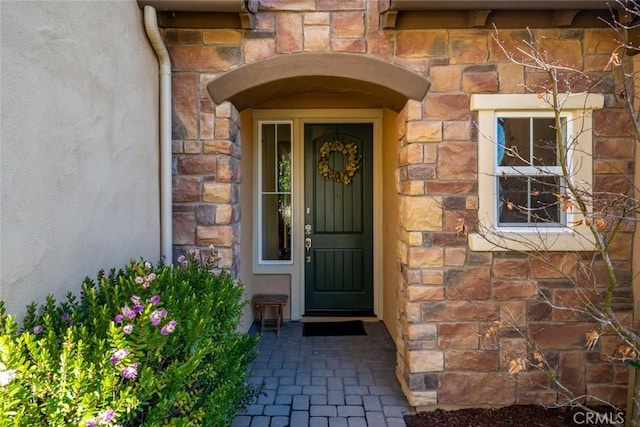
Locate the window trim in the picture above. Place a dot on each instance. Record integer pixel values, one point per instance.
(578, 110)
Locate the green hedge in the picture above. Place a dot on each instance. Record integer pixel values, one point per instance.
(143, 346)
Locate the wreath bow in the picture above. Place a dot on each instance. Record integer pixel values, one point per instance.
(353, 162)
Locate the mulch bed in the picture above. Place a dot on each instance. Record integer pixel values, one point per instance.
(511, 416)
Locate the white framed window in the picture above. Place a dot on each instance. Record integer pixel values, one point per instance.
(528, 176)
(522, 188)
(275, 191)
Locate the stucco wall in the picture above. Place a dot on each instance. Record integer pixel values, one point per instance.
(79, 152)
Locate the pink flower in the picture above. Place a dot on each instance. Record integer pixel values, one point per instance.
(151, 277)
(147, 265)
(91, 422)
(106, 416)
(37, 329)
(7, 376)
(118, 355)
(139, 280)
(135, 299)
(130, 371)
(169, 328)
(156, 316)
(119, 318)
(128, 312)
(154, 299)
(127, 329)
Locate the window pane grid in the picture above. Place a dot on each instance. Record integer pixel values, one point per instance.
(524, 200)
(528, 175)
(275, 195)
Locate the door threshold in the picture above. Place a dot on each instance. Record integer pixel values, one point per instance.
(310, 319)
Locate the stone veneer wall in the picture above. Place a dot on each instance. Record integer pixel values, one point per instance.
(447, 294)
(206, 208)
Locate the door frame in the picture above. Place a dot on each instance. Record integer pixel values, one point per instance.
(300, 117)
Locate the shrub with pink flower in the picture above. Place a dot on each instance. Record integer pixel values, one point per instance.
(127, 350)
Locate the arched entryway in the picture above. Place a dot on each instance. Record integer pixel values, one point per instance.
(320, 88)
(378, 83)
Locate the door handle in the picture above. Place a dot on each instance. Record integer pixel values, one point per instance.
(307, 246)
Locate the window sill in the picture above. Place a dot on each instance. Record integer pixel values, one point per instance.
(273, 268)
(531, 241)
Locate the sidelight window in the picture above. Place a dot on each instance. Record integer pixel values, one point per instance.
(275, 192)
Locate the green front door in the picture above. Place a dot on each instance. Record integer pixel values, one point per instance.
(338, 219)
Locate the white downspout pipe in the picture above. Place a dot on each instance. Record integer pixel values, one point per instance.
(166, 232)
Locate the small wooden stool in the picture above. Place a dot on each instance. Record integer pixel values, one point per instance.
(263, 301)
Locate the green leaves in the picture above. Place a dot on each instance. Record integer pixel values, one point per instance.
(69, 357)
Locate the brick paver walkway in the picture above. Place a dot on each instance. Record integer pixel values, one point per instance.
(346, 381)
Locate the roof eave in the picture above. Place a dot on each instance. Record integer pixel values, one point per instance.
(222, 6)
(408, 5)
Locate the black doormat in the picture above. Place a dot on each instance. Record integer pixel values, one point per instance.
(333, 329)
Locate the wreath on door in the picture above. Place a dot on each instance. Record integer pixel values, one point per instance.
(353, 161)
